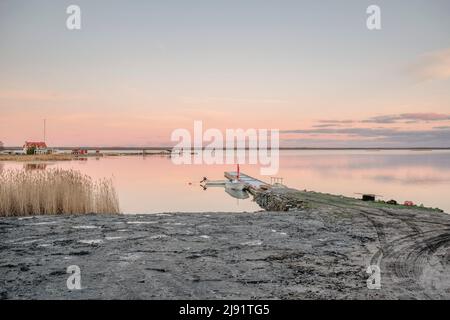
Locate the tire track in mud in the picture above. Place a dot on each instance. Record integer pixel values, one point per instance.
(376, 259)
(408, 256)
(405, 220)
(381, 235)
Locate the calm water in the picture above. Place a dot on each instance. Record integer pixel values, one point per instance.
(153, 184)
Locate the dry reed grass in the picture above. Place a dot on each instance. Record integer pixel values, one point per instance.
(36, 157)
(55, 191)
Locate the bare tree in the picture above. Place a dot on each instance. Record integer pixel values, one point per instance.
(1, 145)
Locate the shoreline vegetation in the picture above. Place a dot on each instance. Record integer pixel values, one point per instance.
(55, 192)
(289, 199)
(36, 157)
(69, 157)
(9, 154)
(280, 148)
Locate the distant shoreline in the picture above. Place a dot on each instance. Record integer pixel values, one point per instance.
(69, 156)
(281, 148)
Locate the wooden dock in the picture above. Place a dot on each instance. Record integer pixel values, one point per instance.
(252, 184)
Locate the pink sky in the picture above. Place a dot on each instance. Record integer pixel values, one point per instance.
(156, 68)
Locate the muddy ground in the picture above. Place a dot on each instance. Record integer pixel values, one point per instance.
(319, 252)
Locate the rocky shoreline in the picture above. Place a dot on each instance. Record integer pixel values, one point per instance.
(319, 250)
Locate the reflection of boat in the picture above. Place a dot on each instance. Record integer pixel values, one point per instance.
(235, 185)
(237, 194)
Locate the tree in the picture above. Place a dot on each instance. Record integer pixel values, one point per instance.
(1, 145)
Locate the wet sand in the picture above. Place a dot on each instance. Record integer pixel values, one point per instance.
(319, 252)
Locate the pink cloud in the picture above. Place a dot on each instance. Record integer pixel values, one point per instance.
(432, 66)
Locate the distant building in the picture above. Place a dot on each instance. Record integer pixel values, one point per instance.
(35, 148)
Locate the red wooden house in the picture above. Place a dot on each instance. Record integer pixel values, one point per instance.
(39, 147)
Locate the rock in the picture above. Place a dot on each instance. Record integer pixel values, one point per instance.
(276, 200)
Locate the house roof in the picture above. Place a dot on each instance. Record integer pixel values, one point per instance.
(39, 144)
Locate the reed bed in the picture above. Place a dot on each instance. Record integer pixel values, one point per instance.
(55, 191)
(36, 157)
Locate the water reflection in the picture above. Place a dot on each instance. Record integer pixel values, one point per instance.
(405, 168)
(154, 184)
(35, 166)
(238, 194)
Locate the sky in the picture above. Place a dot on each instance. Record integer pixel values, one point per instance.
(137, 70)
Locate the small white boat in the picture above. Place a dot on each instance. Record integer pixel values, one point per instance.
(215, 183)
(235, 184)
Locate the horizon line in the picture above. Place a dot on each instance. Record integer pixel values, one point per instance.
(5, 148)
